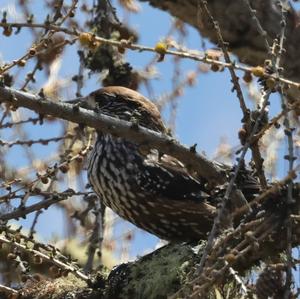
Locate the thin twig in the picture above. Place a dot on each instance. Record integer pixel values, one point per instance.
(50, 172)
(8, 290)
(221, 210)
(261, 31)
(33, 120)
(97, 235)
(290, 157)
(187, 54)
(71, 268)
(34, 223)
(235, 80)
(41, 141)
(234, 77)
(44, 204)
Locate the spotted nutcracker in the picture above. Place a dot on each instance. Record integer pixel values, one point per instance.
(153, 191)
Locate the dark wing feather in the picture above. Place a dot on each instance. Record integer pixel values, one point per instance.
(167, 177)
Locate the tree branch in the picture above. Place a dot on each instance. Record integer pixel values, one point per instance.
(165, 144)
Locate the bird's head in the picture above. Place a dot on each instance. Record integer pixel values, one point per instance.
(126, 104)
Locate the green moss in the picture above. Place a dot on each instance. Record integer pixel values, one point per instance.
(160, 274)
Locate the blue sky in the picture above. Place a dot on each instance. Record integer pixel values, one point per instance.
(206, 112)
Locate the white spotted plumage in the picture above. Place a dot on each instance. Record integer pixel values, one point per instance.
(153, 191)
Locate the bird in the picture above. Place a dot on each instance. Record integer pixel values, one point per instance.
(152, 190)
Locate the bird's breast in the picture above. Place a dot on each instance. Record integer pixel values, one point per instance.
(112, 170)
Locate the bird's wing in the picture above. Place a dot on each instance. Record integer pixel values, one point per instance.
(167, 177)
